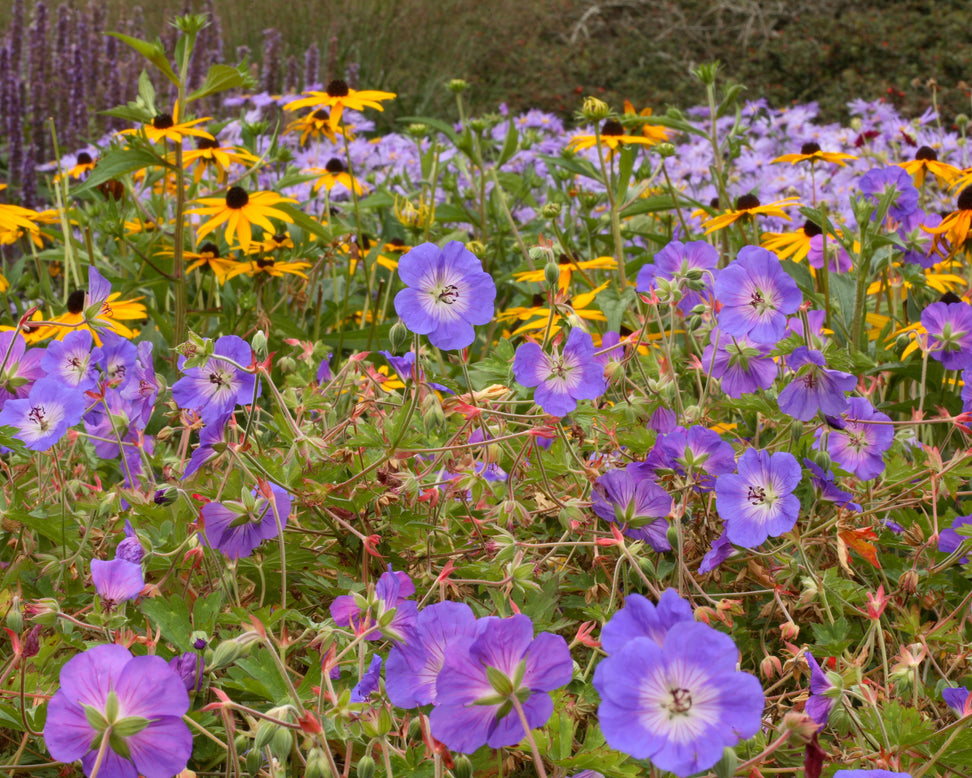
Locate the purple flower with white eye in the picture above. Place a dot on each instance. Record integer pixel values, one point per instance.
(482, 675)
(949, 326)
(237, 529)
(859, 447)
(117, 580)
(815, 388)
(877, 182)
(950, 541)
(414, 663)
(136, 702)
(679, 704)
(818, 704)
(756, 295)
(641, 618)
(391, 595)
(218, 387)
(45, 415)
(212, 434)
(697, 454)
(72, 360)
(369, 681)
(20, 367)
(447, 292)
(757, 501)
(117, 358)
(741, 365)
(635, 502)
(688, 266)
(561, 379)
(958, 699)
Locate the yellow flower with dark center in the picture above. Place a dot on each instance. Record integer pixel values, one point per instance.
(207, 258)
(411, 215)
(810, 152)
(334, 173)
(747, 206)
(937, 277)
(791, 245)
(926, 161)
(563, 305)
(276, 268)
(567, 267)
(953, 231)
(315, 125)
(239, 210)
(83, 165)
(210, 155)
(113, 312)
(14, 220)
(276, 242)
(612, 135)
(339, 96)
(653, 131)
(167, 127)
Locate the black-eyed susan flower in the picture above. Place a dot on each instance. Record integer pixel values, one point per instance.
(579, 305)
(953, 232)
(926, 161)
(83, 164)
(276, 268)
(810, 152)
(239, 210)
(207, 257)
(339, 96)
(209, 154)
(652, 131)
(612, 135)
(567, 267)
(314, 126)
(14, 219)
(167, 127)
(334, 173)
(791, 245)
(276, 242)
(747, 206)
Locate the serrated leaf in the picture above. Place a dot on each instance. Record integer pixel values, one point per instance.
(219, 79)
(172, 618)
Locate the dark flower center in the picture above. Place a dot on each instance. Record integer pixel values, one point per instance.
(926, 154)
(321, 114)
(84, 158)
(163, 121)
(237, 197)
(757, 299)
(36, 415)
(449, 294)
(334, 166)
(747, 202)
(756, 495)
(280, 238)
(810, 380)
(338, 88)
(612, 127)
(811, 147)
(681, 701)
(965, 199)
(207, 143)
(264, 262)
(396, 244)
(210, 248)
(811, 230)
(218, 379)
(75, 301)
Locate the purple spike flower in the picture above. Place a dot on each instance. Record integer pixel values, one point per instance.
(679, 704)
(637, 503)
(482, 675)
(218, 387)
(757, 502)
(43, 418)
(561, 379)
(949, 326)
(756, 296)
(447, 292)
(237, 531)
(860, 445)
(815, 388)
(136, 702)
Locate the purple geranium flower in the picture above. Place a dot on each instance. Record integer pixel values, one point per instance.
(45, 415)
(368, 682)
(447, 292)
(741, 365)
(823, 480)
(840, 260)
(189, 667)
(679, 704)
(870, 774)
(482, 676)
(757, 502)
(139, 699)
(697, 454)
(904, 204)
(19, 367)
(815, 388)
(563, 379)
(117, 580)
(72, 360)
(949, 326)
(239, 529)
(721, 550)
(756, 296)
(637, 503)
(818, 704)
(640, 618)
(859, 447)
(216, 388)
(390, 597)
(949, 540)
(958, 699)
(687, 266)
(414, 663)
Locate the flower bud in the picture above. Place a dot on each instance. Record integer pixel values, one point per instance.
(417, 129)
(15, 616)
(789, 631)
(317, 766)
(961, 121)
(365, 767)
(254, 761)
(595, 110)
(770, 667)
(726, 766)
(665, 149)
(259, 344)
(551, 274)
(551, 210)
(282, 743)
(800, 726)
(462, 767)
(457, 85)
(225, 654)
(908, 582)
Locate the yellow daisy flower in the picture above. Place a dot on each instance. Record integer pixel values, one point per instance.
(83, 165)
(791, 245)
(653, 131)
(567, 268)
(315, 125)
(207, 258)
(276, 242)
(748, 205)
(810, 152)
(612, 135)
(210, 155)
(926, 161)
(240, 210)
(14, 218)
(113, 312)
(339, 96)
(953, 232)
(167, 127)
(276, 268)
(334, 173)
(577, 305)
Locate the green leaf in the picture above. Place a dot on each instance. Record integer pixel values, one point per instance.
(219, 79)
(577, 165)
(510, 146)
(153, 52)
(305, 222)
(118, 162)
(172, 617)
(436, 124)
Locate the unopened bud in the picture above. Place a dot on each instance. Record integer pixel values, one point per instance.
(15, 616)
(789, 631)
(457, 85)
(259, 344)
(665, 149)
(551, 274)
(398, 335)
(800, 726)
(770, 667)
(462, 767)
(317, 765)
(365, 767)
(551, 210)
(595, 110)
(726, 766)
(908, 582)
